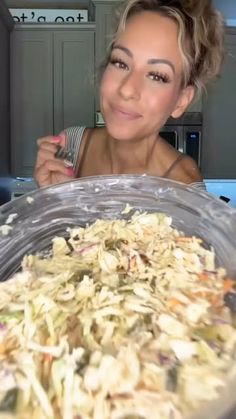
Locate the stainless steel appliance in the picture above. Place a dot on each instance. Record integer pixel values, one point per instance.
(184, 133)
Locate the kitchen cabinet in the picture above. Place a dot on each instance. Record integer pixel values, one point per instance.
(6, 25)
(31, 95)
(219, 105)
(52, 85)
(73, 79)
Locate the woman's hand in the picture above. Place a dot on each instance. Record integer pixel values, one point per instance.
(50, 170)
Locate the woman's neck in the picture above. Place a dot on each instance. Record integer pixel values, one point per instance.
(130, 156)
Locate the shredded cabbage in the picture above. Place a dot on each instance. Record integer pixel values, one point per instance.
(125, 319)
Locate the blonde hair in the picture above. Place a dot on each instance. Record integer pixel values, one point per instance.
(200, 36)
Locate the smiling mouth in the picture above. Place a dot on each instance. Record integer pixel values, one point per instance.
(123, 113)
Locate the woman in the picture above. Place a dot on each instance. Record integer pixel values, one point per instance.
(163, 53)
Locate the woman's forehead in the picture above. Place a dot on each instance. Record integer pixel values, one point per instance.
(152, 35)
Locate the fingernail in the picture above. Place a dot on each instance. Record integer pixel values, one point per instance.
(70, 171)
(68, 163)
(56, 139)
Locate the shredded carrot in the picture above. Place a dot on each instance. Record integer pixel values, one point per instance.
(48, 358)
(203, 277)
(173, 302)
(184, 239)
(2, 349)
(49, 342)
(215, 300)
(200, 294)
(228, 284)
(132, 263)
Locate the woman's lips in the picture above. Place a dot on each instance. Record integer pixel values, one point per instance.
(125, 114)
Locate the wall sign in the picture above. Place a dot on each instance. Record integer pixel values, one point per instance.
(49, 15)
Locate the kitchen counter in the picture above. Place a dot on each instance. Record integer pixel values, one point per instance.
(222, 187)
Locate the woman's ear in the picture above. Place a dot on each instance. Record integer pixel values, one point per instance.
(185, 98)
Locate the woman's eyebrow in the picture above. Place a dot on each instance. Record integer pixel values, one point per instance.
(126, 50)
(161, 61)
(150, 61)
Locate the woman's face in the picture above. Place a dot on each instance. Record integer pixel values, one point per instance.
(141, 86)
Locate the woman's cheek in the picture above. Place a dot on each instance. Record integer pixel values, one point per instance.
(107, 89)
(102, 90)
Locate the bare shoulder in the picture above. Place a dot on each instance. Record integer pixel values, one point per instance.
(177, 166)
(91, 146)
(91, 135)
(185, 170)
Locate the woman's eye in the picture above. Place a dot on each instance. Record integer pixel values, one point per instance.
(118, 63)
(163, 78)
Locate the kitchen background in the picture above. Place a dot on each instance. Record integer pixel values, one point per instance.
(47, 83)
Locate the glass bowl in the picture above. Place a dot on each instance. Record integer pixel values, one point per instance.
(34, 219)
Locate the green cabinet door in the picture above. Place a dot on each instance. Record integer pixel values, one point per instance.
(52, 86)
(31, 95)
(73, 78)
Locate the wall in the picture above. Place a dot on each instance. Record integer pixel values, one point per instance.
(54, 4)
(5, 26)
(219, 145)
(48, 4)
(227, 7)
(4, 99)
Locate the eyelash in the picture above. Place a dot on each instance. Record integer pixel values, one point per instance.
(159, 77)
(155, 76)
(118, 63)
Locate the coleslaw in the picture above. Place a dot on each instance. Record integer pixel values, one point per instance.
(123, 319)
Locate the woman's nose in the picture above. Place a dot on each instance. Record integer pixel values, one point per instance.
(130, 86)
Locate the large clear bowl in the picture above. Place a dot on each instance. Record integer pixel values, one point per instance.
(34, 219)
